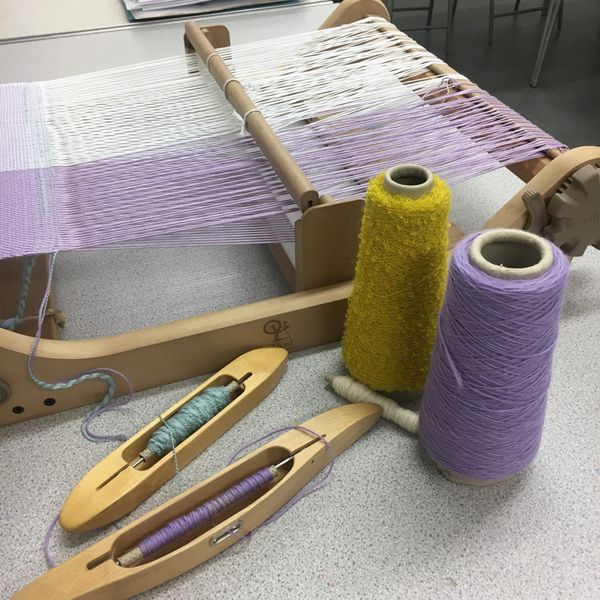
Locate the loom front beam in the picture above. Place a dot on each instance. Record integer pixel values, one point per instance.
(326, 241)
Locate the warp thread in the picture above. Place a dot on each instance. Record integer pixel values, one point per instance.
(398, 287)
(483, 408)
(80, 169)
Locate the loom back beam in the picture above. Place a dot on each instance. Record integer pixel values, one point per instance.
(114, 487)
(95, 574)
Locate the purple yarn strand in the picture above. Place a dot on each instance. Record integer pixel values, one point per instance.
(485, 399)
(205, 513)
(46, 545)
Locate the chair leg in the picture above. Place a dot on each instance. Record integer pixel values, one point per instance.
(560, 16)
(454, 9)
(430, 12)
(450, 25)
(553, 10)
(517, 4)
(491, 23)
(545, 8)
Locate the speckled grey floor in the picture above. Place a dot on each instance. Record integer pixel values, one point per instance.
(160, 285)
(388, 525)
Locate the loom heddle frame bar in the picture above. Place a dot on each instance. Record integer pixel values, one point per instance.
(326, 242)
(291, 175)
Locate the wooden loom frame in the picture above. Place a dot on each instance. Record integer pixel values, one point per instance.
(326, 241)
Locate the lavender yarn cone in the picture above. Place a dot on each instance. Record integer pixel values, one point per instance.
(483, 408)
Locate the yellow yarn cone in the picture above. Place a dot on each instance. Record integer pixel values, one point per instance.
(400, 279)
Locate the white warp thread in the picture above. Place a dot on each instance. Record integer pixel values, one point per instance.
(175, 101)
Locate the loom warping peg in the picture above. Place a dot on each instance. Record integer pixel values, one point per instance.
(60, 318)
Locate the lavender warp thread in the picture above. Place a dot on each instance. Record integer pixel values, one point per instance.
(483, 408)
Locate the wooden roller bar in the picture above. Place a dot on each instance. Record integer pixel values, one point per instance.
(291, 175)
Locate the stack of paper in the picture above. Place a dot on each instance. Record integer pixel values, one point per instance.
(155, 9)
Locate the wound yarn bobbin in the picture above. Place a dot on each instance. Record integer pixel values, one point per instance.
(482, 412)
(391, 319)
(188, 419)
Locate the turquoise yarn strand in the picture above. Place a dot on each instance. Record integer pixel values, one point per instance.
(188, 419)
(12, 323)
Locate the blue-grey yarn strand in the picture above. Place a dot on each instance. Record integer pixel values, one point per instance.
(188, 419)
(67, 384)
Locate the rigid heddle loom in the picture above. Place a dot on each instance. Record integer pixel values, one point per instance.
(271, 142)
